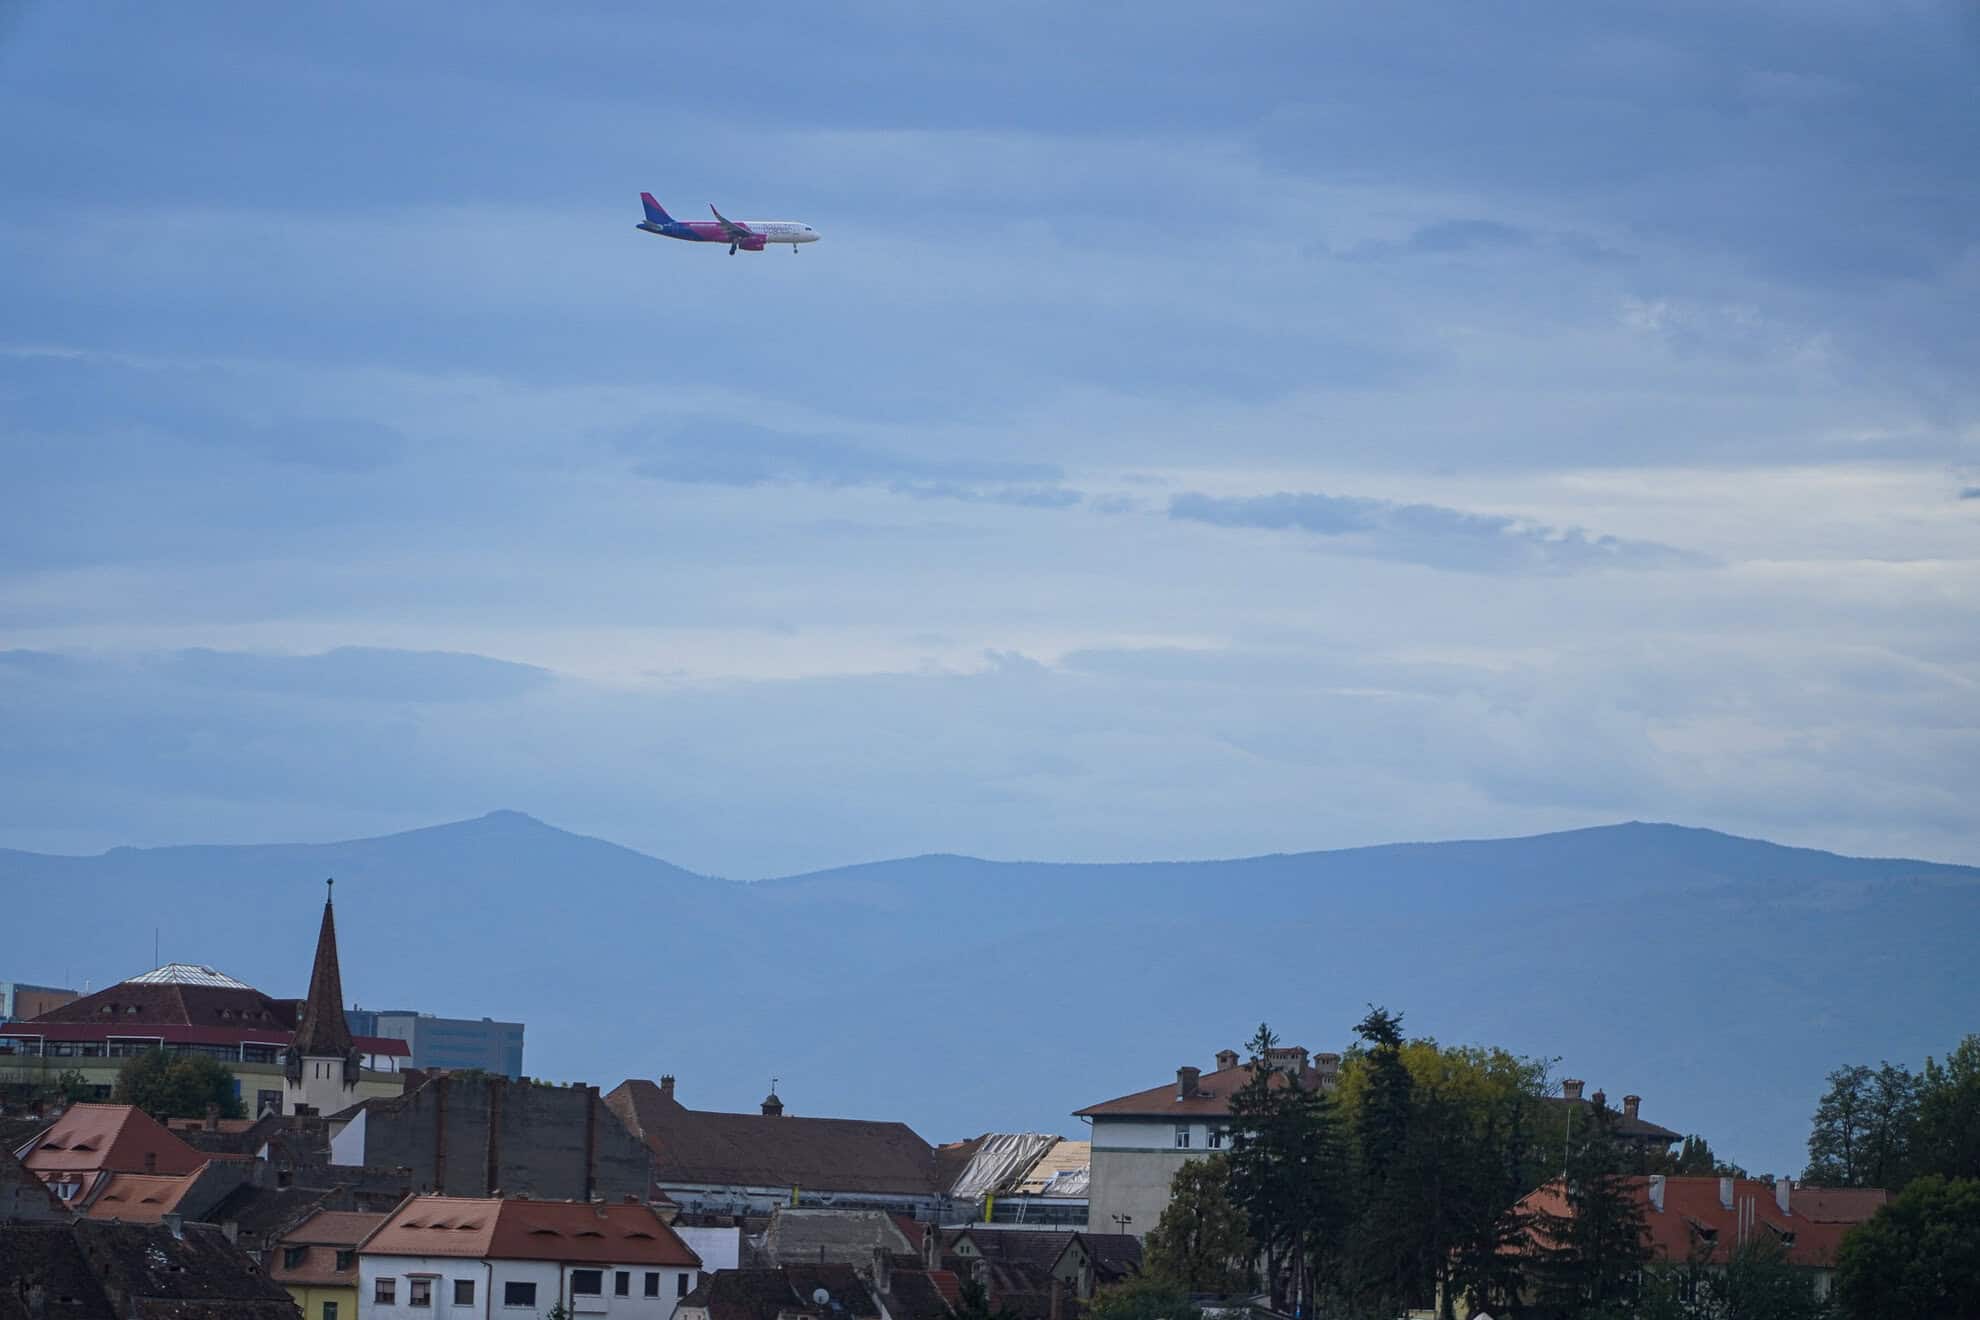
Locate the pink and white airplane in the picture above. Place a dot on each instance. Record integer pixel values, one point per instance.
(749, 235)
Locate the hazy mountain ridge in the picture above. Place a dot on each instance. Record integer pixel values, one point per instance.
(1719, 977)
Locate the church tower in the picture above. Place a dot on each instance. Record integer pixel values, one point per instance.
(321, 1064)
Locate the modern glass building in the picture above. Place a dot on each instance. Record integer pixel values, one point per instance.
(437, 1042)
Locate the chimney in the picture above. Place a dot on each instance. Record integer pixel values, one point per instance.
(1186, 1082)
(1631, 1103)
(1725, 1193)
(931, 1246)
(1571, 1089)
(1600, 1099)
(979, 1268)
(667, 1086)
(1226, 1060)
(882, 1267)
(1783, 1191)
(212, 1116)
(151, 1161)
(1657, 1192)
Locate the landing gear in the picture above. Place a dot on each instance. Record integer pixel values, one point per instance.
(732, 249)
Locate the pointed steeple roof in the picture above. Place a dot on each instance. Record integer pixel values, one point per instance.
(322, 1031)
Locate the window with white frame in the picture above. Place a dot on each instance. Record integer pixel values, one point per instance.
(1182, 1136)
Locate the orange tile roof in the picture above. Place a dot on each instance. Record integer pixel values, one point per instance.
(113, 1137)
(1696, 1224)
(516, 1229)
(333, 1228)
(140, 1198)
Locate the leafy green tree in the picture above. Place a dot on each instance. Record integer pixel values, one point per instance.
(1592, 1245)
(1203, 1242)
(1918, 1258)
(1756, 1282)
(1287, 1174)
(176, 1086)
(1861, 1135)
(1946, 1135)
(1468, 1144)
(1138, 1298)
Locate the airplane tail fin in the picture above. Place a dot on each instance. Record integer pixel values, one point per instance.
(655, 213)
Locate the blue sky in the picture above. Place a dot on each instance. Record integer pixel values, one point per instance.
(1197, 433)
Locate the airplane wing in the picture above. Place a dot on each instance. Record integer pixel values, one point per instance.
(735, 231)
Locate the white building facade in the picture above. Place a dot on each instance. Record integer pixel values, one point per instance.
(458, 1256)
(438, 1287)
(1141, 1140)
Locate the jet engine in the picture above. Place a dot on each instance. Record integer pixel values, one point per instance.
(754, 243)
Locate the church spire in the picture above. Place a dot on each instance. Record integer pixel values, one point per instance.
(322, 1031)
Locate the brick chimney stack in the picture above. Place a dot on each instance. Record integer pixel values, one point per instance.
(1186, 1079)
(667, 1086)
(212, 1116)
(1226, 1060)
(1631, 1103)
(1571, 1089)
(1601, 1099)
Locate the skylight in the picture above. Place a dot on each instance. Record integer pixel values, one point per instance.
(189, 974)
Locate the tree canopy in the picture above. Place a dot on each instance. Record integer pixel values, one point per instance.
(1203, 1243)
(1917, 1257)
(1140, 1298)
(177, 1085)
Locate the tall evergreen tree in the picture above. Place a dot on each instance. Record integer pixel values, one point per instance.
(1385, 1248)
(1287, 1174)
(1591, 1245)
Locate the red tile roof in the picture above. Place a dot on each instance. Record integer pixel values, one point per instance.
(697, 1146)
(1212, 1098)
(1697, 1224)
(320, 1238)
(140, 1198)
(515, 1229)
(130, 1003)
(171, 1034)
(333, 1228)
(113, 1137)
(1838, 1205)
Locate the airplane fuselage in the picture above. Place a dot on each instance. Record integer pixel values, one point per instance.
(769, 232)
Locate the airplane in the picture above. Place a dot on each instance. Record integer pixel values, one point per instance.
(749, 235)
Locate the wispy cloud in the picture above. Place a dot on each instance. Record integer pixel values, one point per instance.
(726, 453)
(1970, 493)
(1458, 237)
(1428, 533)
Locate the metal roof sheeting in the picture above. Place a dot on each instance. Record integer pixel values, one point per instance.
(189, 974)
